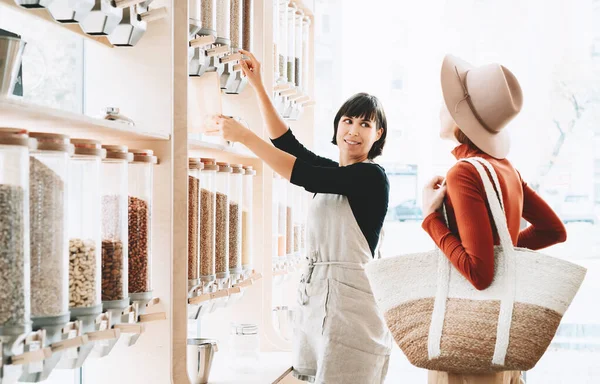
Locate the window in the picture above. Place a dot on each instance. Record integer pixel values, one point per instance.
(559, 72)
(52, 61)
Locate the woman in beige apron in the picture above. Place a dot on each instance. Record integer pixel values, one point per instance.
(479, 103)
(340, 335)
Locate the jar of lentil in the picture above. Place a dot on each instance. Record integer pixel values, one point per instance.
(15, 299)
(222, 221)
(139, 255)
(49, 261)
(208, 208)
(85, 207)
(114, 189)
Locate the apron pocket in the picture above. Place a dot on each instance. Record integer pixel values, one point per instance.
(354, 320)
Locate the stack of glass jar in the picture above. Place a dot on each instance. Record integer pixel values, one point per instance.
(208, 202)
(115, 292)
(49, 263)
(141, 181)
(15, 301)
(84, 231)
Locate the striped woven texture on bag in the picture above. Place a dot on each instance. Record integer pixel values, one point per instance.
(441, 322)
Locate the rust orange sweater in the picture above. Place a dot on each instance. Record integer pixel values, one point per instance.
(469, 241)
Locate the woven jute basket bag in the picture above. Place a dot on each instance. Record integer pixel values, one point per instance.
(442, 323)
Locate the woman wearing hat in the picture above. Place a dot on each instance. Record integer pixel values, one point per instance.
(479, 102)
(339, 334)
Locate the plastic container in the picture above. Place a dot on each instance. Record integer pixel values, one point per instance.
(247, 220)
(115, 292)
(247, 39)
(209, 17)
(194, 168)
(298, 48)
(49, 261)
(222, 221)
(139, 255)
(85, 207)
(291, 44)
(236, 24)
(223, 22)
(244, 346)
(305, 53)
(15, 300)
(236, 195)
(208, 208)
(283, 40)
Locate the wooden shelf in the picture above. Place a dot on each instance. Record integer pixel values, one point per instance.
(44, 14)
(225, 292)
(20, 114)
(216, 149)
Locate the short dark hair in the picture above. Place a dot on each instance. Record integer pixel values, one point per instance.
(364, 106)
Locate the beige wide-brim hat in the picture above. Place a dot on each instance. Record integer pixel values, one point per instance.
(482, 101)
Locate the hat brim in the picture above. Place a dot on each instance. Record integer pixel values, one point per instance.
(497, 144)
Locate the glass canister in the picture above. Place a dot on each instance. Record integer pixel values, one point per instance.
(298, 48)
(289, 220)
(248, 21)
(209, 17)
(208, 210)
(139, 250)
(283, 40)
(247, 218)
(291, 43)
(222, 222)
(85, 207)
(305, 53)
(114, 189)
(194, 168)
(49, 261)
(236, 24)
(223, 23)
(244, 346)
(15, 299)
(236, 194)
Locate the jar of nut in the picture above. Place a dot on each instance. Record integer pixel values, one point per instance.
(84, 229)
(141, 180)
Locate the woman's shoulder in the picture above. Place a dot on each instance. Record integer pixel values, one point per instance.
(372, 171)
(463, 172)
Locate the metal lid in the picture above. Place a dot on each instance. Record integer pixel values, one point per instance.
(118, 152)
(143, 156)
(52, 142)
(224, 167)
(201, 341)
(87, 147)
(244, 329)
(195, 163)
(15, 136)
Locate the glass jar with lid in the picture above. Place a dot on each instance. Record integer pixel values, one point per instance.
(222, 222)
(84, 228)
(194, 168)
(283, 40)
(49, 260)
(247, 219)
(298, 49)
(208, 208)
(114, 189)
(291, 43)
(139, 247)
(244, 346)
(306, 21)
(236, 194)
(15, 299)
(223, 22)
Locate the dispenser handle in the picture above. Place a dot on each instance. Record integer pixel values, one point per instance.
(154, 14)
(69, 343)
(31, 357)
(202, 41)
(152, 317)
(109, 334)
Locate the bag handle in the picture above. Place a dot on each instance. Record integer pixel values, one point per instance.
(496, 204)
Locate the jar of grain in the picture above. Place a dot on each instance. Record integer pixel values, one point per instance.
(222, 221)
(49, 262)
(223, 22)
(114, 189)
(236, 194)
(194, 168)
(139, 255)
(208, 203)
(85, 208)
(15, 299)
(247, 217)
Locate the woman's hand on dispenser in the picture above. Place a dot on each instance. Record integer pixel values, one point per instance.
(226, 127)
(251, 69)
(434, 193)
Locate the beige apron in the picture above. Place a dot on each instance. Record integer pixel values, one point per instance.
(339, 334)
